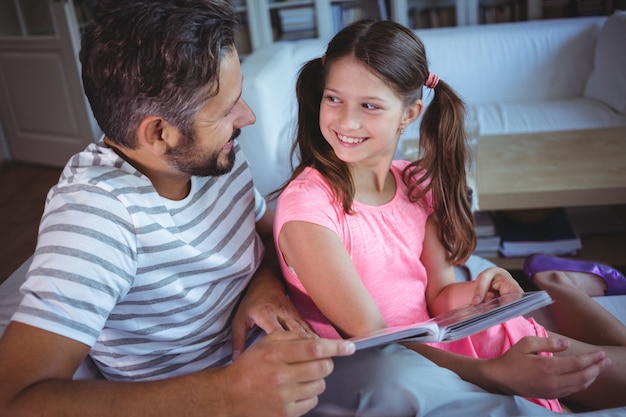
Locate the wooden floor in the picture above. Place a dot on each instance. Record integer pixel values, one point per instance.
(23, 190)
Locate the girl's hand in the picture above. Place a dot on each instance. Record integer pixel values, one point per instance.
(493, 282)
(522, 370)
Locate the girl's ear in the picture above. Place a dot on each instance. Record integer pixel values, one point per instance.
(411, 113)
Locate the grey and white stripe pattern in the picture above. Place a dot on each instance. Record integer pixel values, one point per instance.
(149, 283)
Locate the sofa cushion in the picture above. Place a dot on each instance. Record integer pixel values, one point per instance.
(502, 118)
(548, 115)
(607, 82)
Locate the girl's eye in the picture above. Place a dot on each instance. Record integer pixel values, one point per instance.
(369, 106)
(332, 99)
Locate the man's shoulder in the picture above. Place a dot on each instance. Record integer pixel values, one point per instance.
(99, 165)
(98, 177)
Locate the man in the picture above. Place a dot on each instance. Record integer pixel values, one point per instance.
(150, 257)
(149, 240)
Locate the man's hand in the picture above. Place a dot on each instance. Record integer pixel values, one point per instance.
(523, 371)
(265, 305)
(282, 374)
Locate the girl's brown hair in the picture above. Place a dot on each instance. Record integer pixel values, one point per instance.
(398, 57)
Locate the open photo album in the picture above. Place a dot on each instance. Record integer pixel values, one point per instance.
(460, 322)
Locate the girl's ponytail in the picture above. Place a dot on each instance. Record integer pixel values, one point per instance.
(444, 155)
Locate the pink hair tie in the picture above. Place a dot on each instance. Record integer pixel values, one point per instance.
(432, 81)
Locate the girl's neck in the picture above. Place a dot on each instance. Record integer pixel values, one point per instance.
(373, 187)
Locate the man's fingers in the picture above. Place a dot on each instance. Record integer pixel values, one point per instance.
(269, 324)
(303, 406)
(239, 332)
(298, 326)
(305, 347)
(267, 319)
(324, 348)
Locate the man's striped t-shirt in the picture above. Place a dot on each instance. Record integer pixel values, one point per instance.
(149, 283)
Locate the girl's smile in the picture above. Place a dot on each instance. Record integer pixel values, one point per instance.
(350, 140)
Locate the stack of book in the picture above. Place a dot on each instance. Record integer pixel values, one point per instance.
(498, 11)
(345, 14)
(552, 234)
(432, 17)
(297, 23)
(487, 238)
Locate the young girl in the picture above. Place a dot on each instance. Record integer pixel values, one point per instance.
(367, 242)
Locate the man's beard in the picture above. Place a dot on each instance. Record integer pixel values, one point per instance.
(185, 158)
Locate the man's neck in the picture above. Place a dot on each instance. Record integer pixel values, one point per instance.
(166, 180)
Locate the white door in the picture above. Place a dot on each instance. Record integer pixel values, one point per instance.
(45, 115)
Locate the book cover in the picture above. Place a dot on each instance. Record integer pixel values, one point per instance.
(460, 322)
(484, 224)
(553, 234)
(487, 239)
(488, 246)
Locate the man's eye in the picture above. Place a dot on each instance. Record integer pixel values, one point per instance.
(231, 109)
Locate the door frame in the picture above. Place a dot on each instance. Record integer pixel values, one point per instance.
(27, 137)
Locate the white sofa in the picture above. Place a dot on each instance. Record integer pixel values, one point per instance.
(519, 77)
(531, 76)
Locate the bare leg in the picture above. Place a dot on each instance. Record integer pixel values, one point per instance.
(576, 315)
(590, 327)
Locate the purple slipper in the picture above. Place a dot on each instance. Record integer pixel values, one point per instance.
(615, 281)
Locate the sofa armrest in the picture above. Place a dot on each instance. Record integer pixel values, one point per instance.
(10, 298)
(10, 294)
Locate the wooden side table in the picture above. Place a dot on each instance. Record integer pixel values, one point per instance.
(556, 169)
(552, 169)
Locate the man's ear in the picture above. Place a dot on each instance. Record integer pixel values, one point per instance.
(411, 113)
(155, 134)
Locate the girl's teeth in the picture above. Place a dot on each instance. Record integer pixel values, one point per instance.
(349, 139)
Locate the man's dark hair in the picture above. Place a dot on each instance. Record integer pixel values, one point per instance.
(153, 57)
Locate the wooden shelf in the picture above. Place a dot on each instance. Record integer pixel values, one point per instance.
(262, 26)
(607, 249)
